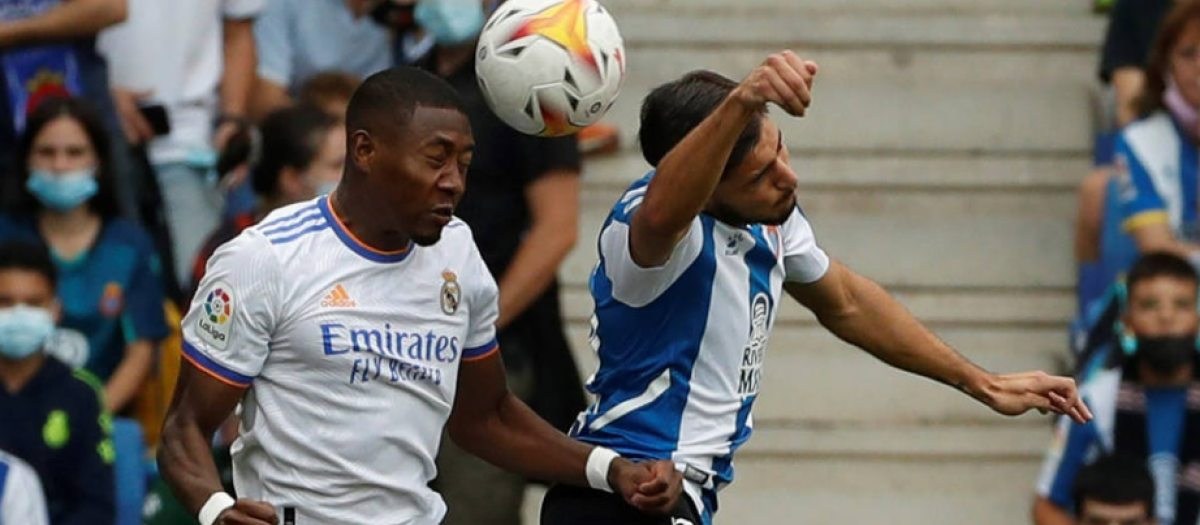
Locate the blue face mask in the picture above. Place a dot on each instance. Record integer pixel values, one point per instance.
(62, 191)
(23, 330)
(450, 21)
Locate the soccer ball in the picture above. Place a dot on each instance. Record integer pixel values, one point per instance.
(550, 67)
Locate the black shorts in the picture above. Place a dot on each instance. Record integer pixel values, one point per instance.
(567, 505)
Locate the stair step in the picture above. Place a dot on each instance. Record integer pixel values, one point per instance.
(1073, 7)
(700, 25)
(938, 307)
(950, 239)
(650, 66)
(933, 491)
(811, 376)
(920, 171)
(852, 116)
(1020, 439)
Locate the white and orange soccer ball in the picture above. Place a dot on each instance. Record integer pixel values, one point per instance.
(550, 67)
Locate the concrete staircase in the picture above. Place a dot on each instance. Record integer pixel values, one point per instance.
(940, 158)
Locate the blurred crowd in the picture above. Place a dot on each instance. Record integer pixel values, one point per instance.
(138, 136)
(1135, 337)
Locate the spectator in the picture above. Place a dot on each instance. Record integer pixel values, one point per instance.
(21, 496)
(196, 60)
(298, 39)
(1143, 403)
(1127, 44)
(1115, 489)
(522, 203)
(303, 152)
(330, 91)
(110, 275)
(54, 418)
(1101, 251)
(47, 48)
(1156, 156)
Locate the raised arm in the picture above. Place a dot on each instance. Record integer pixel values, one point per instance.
(688, 174)
(490, 422)
(201, 403)
(861, 313)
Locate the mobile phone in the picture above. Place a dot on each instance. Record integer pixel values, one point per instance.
(156, 115)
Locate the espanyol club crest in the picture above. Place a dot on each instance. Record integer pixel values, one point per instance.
(451, 293)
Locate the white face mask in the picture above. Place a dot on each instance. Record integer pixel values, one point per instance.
(24, 330)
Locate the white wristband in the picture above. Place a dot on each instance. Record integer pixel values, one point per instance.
(216, 504)
(597, 468)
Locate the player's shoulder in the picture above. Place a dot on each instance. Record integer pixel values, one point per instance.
(287, 230)
(456, 236)
(288, 220)
(631, 199)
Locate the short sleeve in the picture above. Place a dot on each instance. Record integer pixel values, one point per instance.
(1121, 47)
(242, 9)
(632, 283)
(545, 155)
(803, 260)
(228, 327)
(1139, 199)
(21, 497)
(273, 41)
(143, 317)
(484, 309)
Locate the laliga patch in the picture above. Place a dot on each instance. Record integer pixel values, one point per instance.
(216, 317)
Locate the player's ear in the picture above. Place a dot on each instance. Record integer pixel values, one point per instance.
(362, 149)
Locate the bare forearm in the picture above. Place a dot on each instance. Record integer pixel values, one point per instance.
(267, 97)
(130, 375)
(687, 176)
(1127, 82)
(514, 438)
(69, 20)
(879, 324)
(237, 81)
(186, 462)
(1160, 238)
(532, 270)
(1046, 513)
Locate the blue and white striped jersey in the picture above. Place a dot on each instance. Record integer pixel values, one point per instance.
(1157, 172)
(682, 345)
(21, 498)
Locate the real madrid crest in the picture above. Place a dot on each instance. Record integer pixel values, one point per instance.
(451, 293)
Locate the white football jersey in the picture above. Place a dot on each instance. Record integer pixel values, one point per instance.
(351, 356)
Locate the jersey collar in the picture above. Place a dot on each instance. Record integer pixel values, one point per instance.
(357, 246)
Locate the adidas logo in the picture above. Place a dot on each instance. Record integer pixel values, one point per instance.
(338, 298)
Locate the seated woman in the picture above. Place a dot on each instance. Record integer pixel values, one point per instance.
(1156, 156)
(109, 274)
